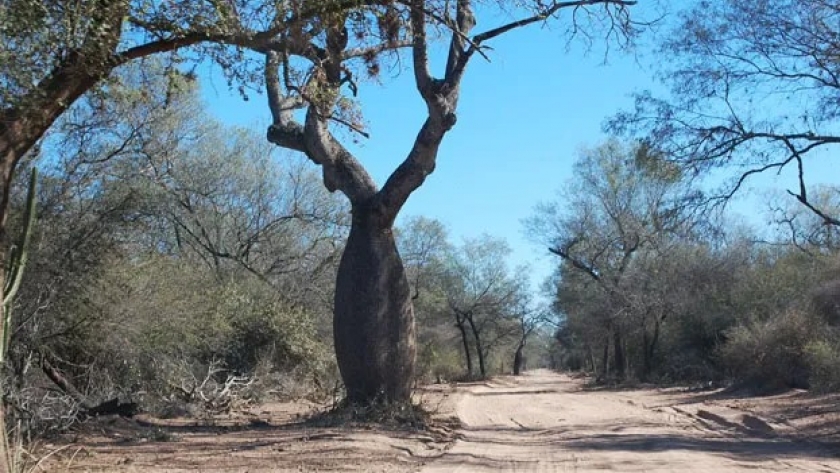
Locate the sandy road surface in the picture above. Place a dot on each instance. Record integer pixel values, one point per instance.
(545, 422)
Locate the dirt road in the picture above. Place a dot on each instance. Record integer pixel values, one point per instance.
(545, 422)
(538, 422)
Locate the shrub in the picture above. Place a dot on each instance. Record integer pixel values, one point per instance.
(823, 360)
(771, 354)
(167, 324)
(439, 362)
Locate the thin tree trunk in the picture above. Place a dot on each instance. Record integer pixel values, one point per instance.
(5, 448)
(618, 353)
(466, 343)
(605, 370)
(646, 361)
(651, 348)
(374, 318)
(517, 360)
(481, 363)
(479, 349)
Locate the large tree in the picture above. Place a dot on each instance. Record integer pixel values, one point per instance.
(374, 321)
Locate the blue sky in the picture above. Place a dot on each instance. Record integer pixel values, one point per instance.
(522, 118)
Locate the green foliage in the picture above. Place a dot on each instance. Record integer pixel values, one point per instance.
(470, 285)
(40, 37)
(646, 279)
(823, 357)
(618, 226)
(170, 247)
(163, 327)
(439, 361)
(655, 165)
(771, 354)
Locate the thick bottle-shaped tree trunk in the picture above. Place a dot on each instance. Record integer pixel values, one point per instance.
(374, 318)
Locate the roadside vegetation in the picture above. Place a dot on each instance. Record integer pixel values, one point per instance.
(651, 289)
(182, 267)
(159, 260)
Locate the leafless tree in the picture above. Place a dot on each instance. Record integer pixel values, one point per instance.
(753, 89)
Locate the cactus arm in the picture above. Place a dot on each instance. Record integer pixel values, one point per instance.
(11, 269)
(22, 253)
(18, 256)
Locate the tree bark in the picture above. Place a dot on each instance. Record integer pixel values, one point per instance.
(482, 367)
(5, 448)
(618, 353)
(374, 317)
(646, 361)
(649, 345)
(518, 360)
(590, 357)
(465, 341)
(479, 348)
(5, 445)
(374, 323)
(605, 367)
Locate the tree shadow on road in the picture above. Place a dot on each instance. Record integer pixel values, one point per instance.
(741, 449)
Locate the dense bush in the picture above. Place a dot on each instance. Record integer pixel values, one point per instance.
(823, 357)
(771, 354)
(171, 334)
(176, 262)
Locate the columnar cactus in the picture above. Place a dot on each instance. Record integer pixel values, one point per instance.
(17, 263)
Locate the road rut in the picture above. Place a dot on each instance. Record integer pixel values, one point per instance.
(546, 422)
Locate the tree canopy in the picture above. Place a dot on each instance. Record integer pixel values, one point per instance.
(752, 88)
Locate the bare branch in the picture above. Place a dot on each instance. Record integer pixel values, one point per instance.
(285, 131)
(456, 68)
(417, 166)
(351, 126)
(420, 53)
(829, 220)
(379, 48)
(464, 23)
(564, 253)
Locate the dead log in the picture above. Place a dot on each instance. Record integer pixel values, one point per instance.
(88, 409)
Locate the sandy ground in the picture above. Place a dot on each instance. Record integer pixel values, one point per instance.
(275, 437)
(539, 422)
(548, 422)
